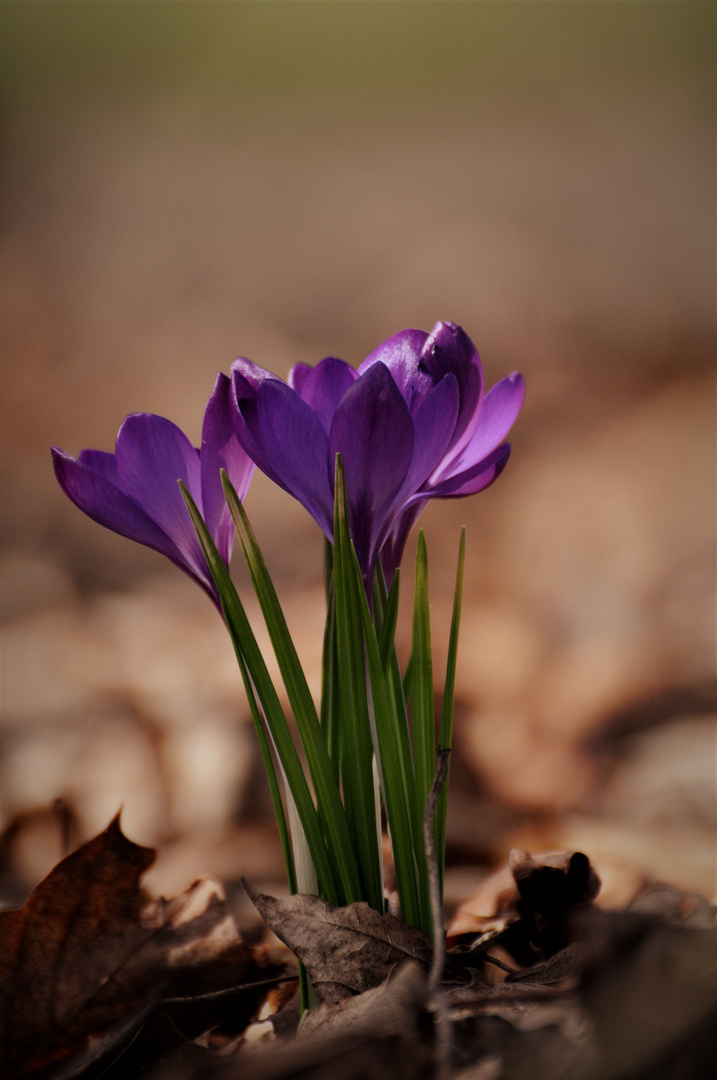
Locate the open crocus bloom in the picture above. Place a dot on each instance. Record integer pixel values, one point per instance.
(135, 492)
(413, 423)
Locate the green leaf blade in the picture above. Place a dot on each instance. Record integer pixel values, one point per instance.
(248, 652)
(331, 809)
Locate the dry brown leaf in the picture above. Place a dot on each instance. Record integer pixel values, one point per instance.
(345, 950)
(491, 908)
(531, 885)
(392, 1008)
(89, 954)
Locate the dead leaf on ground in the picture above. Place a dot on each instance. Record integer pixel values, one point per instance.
(345, 950)
(529, 899)
(89, 954)
(389, 1009)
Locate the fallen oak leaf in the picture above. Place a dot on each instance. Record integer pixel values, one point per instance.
(89, 955)
(345, 950)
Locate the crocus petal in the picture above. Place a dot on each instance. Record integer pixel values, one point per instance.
(393, 546)
(293, 443)
(103, 463)
(471, 480)
(221, 449)
(373, 431)
(298, 376)
(152, 455)
(402, 354)
(433, 426)
(324, 387)
(246, 424)
(448, 348)
(106, 504)
(253, 374)
(497, 415)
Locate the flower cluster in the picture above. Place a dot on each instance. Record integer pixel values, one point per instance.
(412, 423)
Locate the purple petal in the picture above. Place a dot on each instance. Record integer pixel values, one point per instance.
(253, 374)
(473, 479)
(152, 455)
(294, 446)
(373, 431)
(298, 376)
(101, 462)
(496, 417)
(402, 354)
(433, 427)
(393, 546)
(448, 348)
(324, 387)
(221, 449)
(243, 396)
(106, 504)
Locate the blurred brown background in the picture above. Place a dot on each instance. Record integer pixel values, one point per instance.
(186, 182)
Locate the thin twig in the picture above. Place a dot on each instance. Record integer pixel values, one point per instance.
(436, 1002)
(498, 963)
(214, 994)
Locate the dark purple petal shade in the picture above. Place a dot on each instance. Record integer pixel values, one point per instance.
(100, 461)
(152, 455)
(221, 449)
(244, 398)
(295, 445)
(373, 432)
(298, 376)
(393, 546)
(325, 386)
(496, 416)
(401, 354)
(448, 348)
(471, 480)
(433, 425)
(135, 491)
(253, 374)
(106, 504)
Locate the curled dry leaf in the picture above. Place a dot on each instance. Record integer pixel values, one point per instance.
(531, 887)
(88, 955)
(345, 950)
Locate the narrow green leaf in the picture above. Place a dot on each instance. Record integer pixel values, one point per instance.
(246, 647)
(395, 771)
(407, 683)
(330, 698)
(422, 705)
(445, 735)
(387, 642)
(330, 807)
(384, 621)
(328, 568)
(271, 776)
(357, 767)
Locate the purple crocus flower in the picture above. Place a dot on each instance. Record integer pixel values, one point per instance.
(135, 492)
(413, 423)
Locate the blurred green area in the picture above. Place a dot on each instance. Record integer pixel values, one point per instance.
(362, 49)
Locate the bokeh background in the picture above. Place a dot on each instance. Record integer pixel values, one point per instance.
(183, 183)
